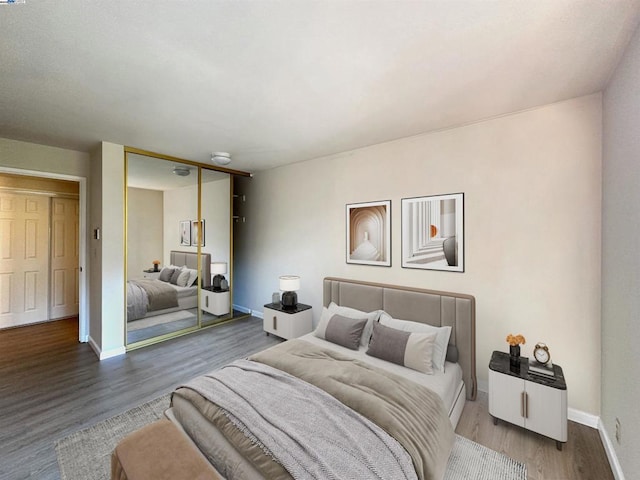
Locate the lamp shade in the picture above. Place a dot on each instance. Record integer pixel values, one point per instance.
(219, 268)
(289, 283)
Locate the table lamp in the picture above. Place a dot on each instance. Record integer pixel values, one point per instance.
(218, 269)
(289, 284)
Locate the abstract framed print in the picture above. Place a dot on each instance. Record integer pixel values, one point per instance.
(185, 233)
(433, 232)
(369, 233)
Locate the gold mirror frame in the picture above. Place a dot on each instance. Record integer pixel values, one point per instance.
(200, 167)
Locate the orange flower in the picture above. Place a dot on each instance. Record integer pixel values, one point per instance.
(514, 340)
(156, 262)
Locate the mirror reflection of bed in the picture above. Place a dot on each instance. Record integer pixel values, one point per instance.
(174, 211)
(164, 302)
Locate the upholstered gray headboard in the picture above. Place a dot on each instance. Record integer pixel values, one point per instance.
(190, 259)
(456, 310)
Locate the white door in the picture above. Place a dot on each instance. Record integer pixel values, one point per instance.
(64, 257)
(24, 259)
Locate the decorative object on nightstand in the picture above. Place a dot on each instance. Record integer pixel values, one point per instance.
(156, 265)
(289, 284)
(290, 322)
(532, 401)
(514, 342)
(151, 274)
(541, 361)
(218, 269)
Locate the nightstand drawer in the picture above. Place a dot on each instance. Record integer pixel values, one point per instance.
(287, 325)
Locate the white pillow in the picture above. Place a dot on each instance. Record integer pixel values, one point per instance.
(353, 313)
(442, 337)
(183, 278)
(193, 275)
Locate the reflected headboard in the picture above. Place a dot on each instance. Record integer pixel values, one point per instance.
(190, 259)
(456, 310)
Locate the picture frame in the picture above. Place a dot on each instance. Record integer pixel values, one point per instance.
(197, 226)
(433, 232)
(368, 233)
(185, 233)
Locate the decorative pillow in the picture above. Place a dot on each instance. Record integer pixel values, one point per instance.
(412, 350)
(174, 276)
(165, 274)
(192, 277)
(452, 354)
(183, 278)
(441, 342)
(341, 330)
(353, 313)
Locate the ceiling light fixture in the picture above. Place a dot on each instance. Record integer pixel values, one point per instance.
(221, 158)
(181, 171)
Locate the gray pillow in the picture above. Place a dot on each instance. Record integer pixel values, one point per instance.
(452, 353)
(409, 349)
(175, 275)
(340, 330)
(165, 274)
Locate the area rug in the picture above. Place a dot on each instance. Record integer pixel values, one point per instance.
(86, 454)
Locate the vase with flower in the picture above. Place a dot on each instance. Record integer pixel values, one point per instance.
(156, 265)
(514, 342)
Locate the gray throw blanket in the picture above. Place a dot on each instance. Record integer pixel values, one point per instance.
(305, 429)
(145, 295)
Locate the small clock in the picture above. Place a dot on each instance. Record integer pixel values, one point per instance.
(541, 353)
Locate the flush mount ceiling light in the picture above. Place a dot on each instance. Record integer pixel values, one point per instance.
(221, 158)
(181, 171)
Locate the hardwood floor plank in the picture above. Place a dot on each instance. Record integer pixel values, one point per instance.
(51, 386)
(582, 457)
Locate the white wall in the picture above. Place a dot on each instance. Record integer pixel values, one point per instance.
(31, 156)
(532, 184)
(620, 257)
(106, 325)
(182, 204)
(144, 231)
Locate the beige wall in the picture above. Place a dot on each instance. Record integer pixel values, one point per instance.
(620, 258)
(144, 231)
(532, 185)
(31, 156)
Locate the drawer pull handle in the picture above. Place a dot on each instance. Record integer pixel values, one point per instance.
(206, 301)
(522, 394)
(526, 405)
(275, 322)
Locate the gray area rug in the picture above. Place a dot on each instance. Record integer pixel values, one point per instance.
(86, 454)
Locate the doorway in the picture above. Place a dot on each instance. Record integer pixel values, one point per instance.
(42, 274)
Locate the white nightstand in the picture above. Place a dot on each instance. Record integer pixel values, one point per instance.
(534, 402)
(214, 302)
(151, 274)
(287, 323)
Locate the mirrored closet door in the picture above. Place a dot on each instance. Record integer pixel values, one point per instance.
(179, 255)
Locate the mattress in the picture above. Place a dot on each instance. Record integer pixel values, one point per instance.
(447, 385)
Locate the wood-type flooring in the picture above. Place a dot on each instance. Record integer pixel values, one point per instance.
(51, 386)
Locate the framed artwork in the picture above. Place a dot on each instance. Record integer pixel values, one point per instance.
(369, 233)
(197, 228)
(185, 232)
(433, 232)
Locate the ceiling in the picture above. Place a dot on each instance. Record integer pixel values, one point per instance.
(277, 82)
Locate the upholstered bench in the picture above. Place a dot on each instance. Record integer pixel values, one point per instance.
(159, 451)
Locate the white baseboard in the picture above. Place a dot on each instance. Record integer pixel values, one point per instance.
(583, 418)
(242, 309)
(104, 354)
(483, 386)
(611, 453)
(256, 313)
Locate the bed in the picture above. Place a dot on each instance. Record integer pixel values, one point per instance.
(151, 297)
(388, 395)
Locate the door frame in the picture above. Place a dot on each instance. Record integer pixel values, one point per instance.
(83, 293)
